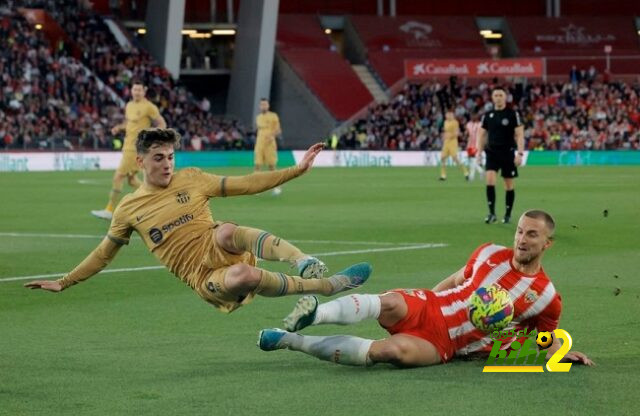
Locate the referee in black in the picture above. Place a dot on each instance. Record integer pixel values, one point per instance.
(501, 133)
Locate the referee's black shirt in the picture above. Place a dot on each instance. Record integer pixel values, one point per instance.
(500, 126)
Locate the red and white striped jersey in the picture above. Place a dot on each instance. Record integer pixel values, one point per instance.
(472, 130)
(536, 302)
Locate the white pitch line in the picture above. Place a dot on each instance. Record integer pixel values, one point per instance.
(91, 182)
(332, 253)
(380, 250)
(39, 235)
(90, 236)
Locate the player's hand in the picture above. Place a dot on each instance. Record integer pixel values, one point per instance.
(577, 357)
(308, 158)
(517, 160)
(50, 285)
(115, 130)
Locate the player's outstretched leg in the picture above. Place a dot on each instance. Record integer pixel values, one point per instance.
(340, 349)
(266, 246)
(346, 310)
(399, 349)
(510, 197)
(114, 196)
(462, 166)
(273, 284)
(443, 171)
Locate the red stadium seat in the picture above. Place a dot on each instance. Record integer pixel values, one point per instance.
(331, 79)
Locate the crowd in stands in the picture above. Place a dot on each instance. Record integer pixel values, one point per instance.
(583, 114)
(114, 66)
(47, 98)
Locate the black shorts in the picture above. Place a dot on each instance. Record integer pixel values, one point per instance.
(503, 161)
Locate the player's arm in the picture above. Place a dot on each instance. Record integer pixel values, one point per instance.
(277, 130)
(93, 264)
(159, 122)
(519, 137)
(119, 127)
(450, 282)
(263, 181)
(156, 118)
(482, 140)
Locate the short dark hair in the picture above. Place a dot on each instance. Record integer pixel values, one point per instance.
(264, 99)
(542, 215)
(137, 81)
(148, 137)
(498, 88)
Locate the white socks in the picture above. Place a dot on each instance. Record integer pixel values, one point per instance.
(339, 349)
(347, 310)
(473, 168)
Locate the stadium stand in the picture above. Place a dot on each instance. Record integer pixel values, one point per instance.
(303, 45)
(389, 41)
(324, 72)
(47, 98)
(300, 31)
(578, 41)
(117, 66)
(557, 116)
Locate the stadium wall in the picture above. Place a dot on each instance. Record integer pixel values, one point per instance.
(82, 161)
(304, 119)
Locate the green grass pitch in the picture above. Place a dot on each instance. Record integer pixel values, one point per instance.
(141, 342)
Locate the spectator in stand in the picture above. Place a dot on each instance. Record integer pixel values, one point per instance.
(557, 116)
(117, 66)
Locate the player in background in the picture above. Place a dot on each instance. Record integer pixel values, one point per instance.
(432, 326)
(266, 149)
(139, 114)
(217, 260)
(471, 129)
(450, 133)
(500, 134)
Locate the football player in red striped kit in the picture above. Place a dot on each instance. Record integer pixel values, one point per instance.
(429, 327)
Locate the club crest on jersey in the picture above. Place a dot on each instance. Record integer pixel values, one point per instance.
(182, 197)
(531, 296)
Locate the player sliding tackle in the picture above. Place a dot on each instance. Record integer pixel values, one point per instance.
(216, 259)
(432, 326)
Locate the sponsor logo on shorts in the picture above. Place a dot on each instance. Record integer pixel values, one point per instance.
(214, 287)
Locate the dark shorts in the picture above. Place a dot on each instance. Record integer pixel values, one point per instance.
(502, 161)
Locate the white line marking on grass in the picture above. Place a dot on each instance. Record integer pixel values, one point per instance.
(332, 253)
(380, 250)
(344, 242)
(46, 276)
(39, 235)
(366, 243)
(91, 182)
